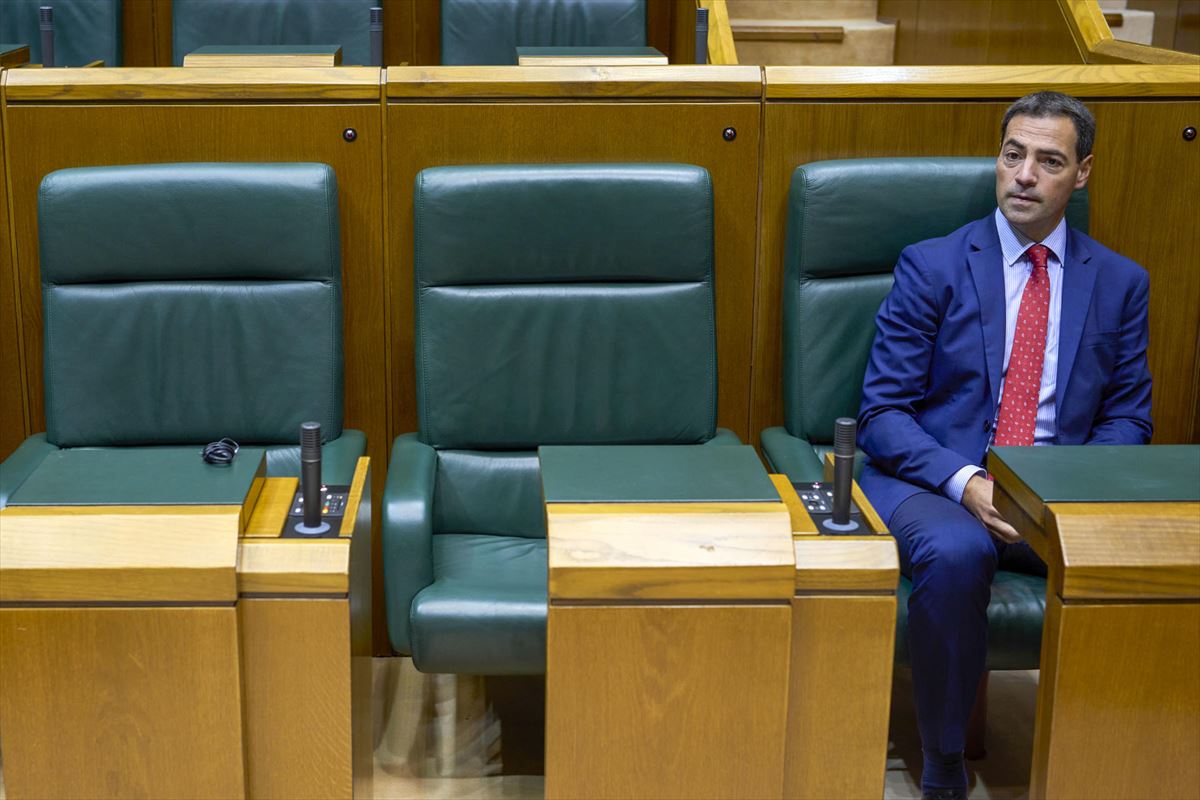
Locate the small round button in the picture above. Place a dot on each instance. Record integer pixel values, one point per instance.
(1189, 133)
(729, 134)
(987, 426)
(349, 134)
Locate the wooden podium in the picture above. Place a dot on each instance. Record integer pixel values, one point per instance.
(1119, 694)
(158, 638)
(669, 625)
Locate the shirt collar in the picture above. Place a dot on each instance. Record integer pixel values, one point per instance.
(1013, 243)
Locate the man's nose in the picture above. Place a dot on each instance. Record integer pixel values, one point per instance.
(1027, 174)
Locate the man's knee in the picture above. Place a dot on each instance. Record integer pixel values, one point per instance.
(947, 544)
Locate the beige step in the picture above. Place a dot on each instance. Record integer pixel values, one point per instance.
(802, 9)
(1131, 25)
(794, 42)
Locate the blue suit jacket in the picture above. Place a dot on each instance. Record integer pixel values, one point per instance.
(933, 379)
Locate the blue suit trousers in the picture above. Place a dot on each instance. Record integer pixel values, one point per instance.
(950, 558)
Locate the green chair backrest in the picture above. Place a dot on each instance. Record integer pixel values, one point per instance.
(490, 31)
(187, 302)
(84, 30)
(848, 220)
(557, 304)
(197, 23)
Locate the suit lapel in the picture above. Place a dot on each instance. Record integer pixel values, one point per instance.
(986, 262)
(1079, 278)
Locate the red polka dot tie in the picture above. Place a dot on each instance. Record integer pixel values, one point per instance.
(1018, 406)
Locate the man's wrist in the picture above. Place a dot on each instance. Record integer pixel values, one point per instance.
(956, 484)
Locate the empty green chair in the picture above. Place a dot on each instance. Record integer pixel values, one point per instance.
(490, 31)
(183, 303)
(847, 223)
(555, 304)
(84, 30)
(199, 23)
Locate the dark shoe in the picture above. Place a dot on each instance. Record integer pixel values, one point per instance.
(944, 794)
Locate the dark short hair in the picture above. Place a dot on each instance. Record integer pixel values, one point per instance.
(1055, 104)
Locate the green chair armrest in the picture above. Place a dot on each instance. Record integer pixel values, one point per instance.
(20, 465)
(722, 437)
(407, 533)
(790, 456)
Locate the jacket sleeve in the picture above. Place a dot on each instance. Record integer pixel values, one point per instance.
(1123, 416)
(897, 379)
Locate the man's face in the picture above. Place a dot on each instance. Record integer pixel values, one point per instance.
(1036, 172)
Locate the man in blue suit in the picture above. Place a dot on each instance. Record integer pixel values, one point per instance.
(1016, 330)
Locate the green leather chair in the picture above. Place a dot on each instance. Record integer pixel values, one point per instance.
(490, 31)
(847, 223)
(183, 303)
(566, 304)
(197, 23)
(84, 30)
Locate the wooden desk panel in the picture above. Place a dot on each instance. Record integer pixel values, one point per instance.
(436, 134)
(116, 695)
(46, 137)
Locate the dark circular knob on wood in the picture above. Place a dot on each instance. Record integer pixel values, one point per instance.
(729, 134)
(1189, 134)
(349, 134)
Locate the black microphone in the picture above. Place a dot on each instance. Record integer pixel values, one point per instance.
(844, 432)
(701, 35)
(310, 479)
(375, 31)
(46, 25)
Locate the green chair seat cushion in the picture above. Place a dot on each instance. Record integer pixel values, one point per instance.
(198, 23)
(1014, 621)
(485, 612)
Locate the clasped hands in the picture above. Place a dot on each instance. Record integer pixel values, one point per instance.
(977, 498)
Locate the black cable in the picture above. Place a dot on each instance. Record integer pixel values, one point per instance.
(220, 453)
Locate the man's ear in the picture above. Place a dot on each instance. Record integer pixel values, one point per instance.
(1085, 170)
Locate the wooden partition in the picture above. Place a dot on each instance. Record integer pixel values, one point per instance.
(74, 118)
(13, 424)
(1143, 186)
(443, 116)
(943, 32)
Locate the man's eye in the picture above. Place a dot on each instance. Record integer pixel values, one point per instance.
(1012, 158)
(1053, 163)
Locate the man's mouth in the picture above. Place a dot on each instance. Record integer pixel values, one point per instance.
(1025, 197)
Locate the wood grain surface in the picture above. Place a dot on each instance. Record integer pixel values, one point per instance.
(839, 696)
(259, 60)
(148, 703)
(117, 553)
(846, 563)
(14, 424)
(612, 552)
(1119, 680)
(436, 134)
(168, 83)
(54, 136)
(980, 81)
(675, 701)
(297, 682)
(1128, 550)
(15, 57)
(1145, 174)
(586, 83)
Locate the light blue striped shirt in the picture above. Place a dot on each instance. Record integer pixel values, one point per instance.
(1017, 269)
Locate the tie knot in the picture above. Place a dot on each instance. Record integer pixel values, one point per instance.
(1038, 255)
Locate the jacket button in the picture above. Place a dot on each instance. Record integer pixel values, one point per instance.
(987, 426)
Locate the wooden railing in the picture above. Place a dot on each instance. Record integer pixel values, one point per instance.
(1089, 28)
(721, 49)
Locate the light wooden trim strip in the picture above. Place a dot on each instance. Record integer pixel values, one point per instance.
(274, 503)
(721, 47)
(802, 523)
(357, 483)
(588, 83)
(1089, 27)
(846, 564)
(1115, 551)
(982, 82)
(293, 566)
(110, 553)
(677, 551)
(172, 83)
